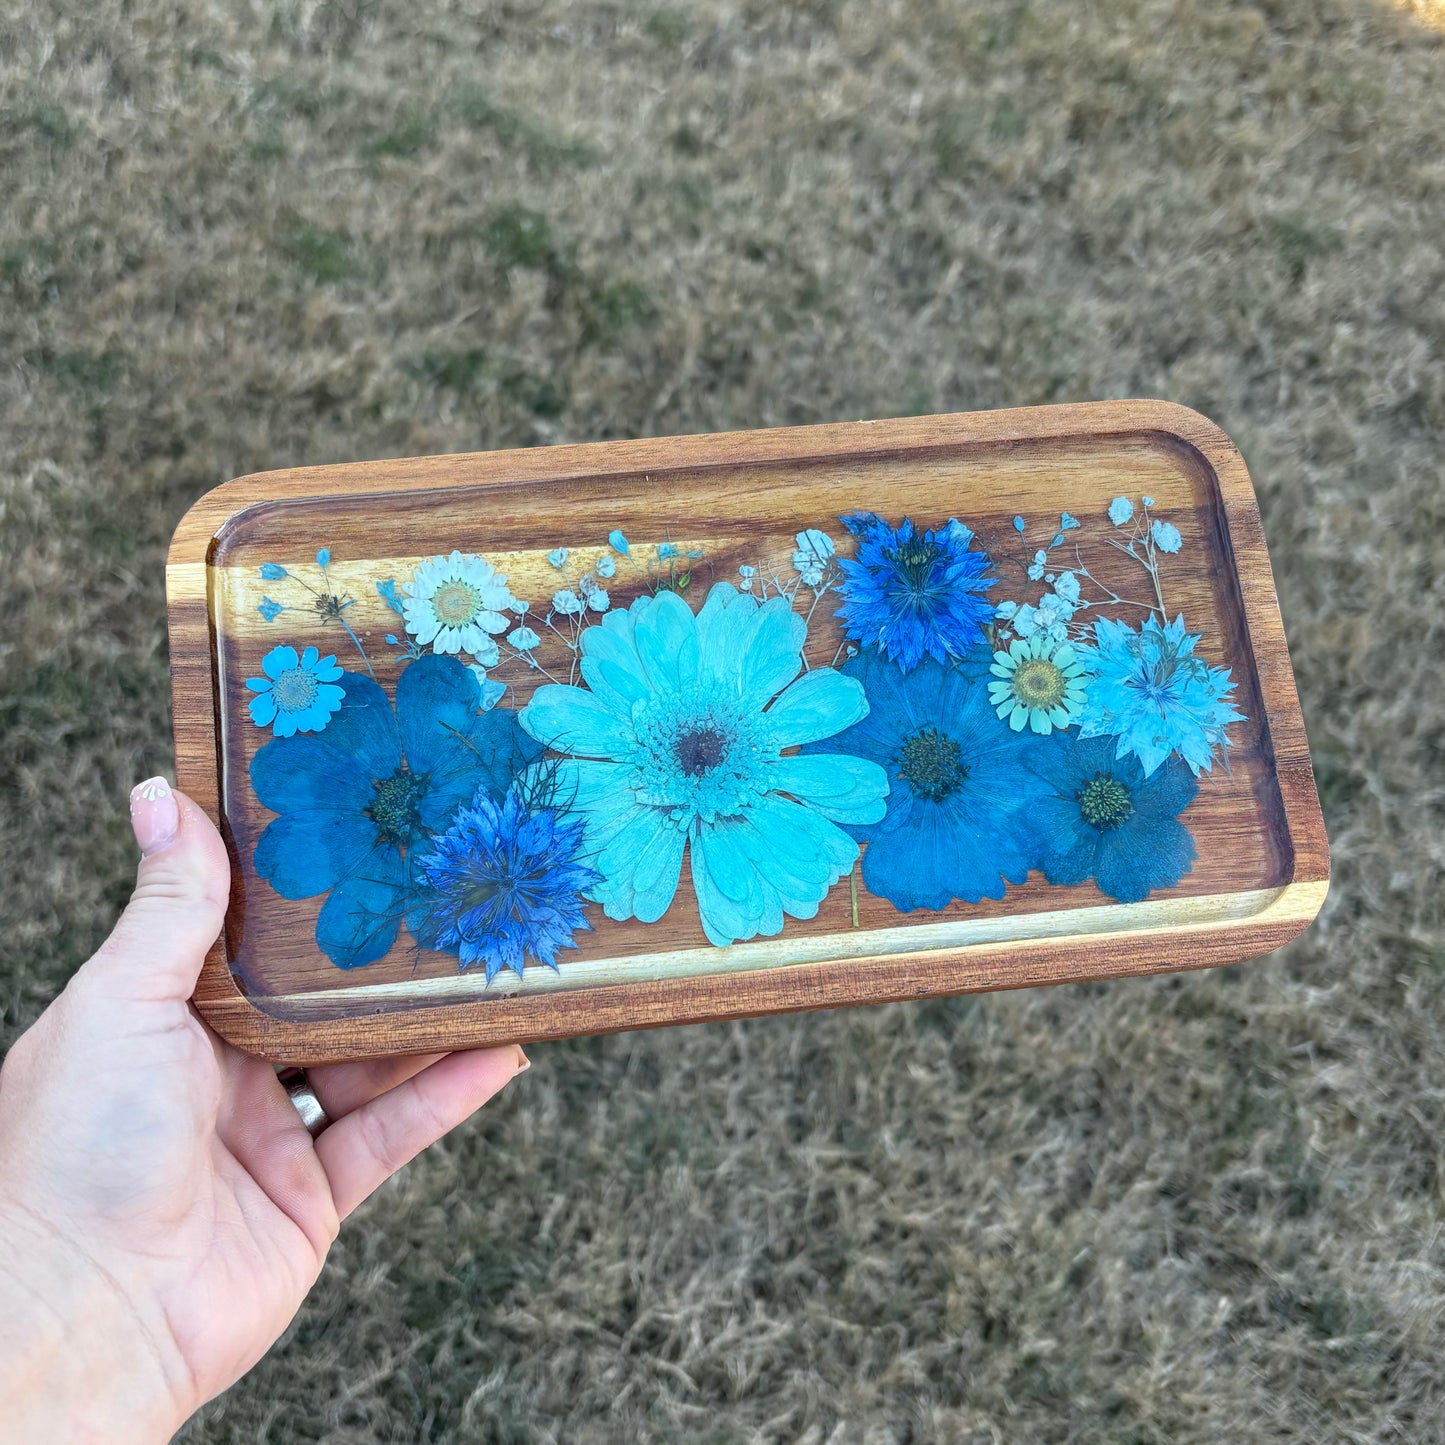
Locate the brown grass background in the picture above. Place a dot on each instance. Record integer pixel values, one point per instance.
(254, 233)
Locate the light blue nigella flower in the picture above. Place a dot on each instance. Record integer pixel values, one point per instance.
(913, 594)
(1166, 536)
(956, 824)
(270, 610)
(605, 566)
(674, 744)
(273, 571)
(354, 802)
(1120, 510)
(619, 543)
(1101, 818)
(297, 694)
(503, 885)
(1150, 691)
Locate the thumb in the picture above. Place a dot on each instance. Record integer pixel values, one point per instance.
(179, 902)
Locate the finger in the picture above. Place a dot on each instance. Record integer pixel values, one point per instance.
(179, 902)
(343, 1088)
(364, 1149)
(265, 1135)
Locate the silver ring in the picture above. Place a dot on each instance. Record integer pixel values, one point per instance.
(303, 1096)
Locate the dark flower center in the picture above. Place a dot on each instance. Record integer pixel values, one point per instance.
(931, 764)
(914, 560)
(396, 809)
(294, 690)
(699, 749)
(1105, 802)
(331, 607)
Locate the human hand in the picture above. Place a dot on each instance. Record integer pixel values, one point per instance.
(163, 1212)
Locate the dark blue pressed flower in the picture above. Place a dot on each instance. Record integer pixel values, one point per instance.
(960, 789)
(914, 594)
(1101, 818)
(355, 800)
(502, 885)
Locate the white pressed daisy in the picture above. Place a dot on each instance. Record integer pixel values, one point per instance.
(455, 603)
(1039, 682)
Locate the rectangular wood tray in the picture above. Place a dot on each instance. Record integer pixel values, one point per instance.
(328, 557)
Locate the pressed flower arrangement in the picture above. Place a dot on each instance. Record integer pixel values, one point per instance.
(548, 739)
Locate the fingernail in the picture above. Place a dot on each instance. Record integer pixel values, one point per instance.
(523, 1063)
(155, 817)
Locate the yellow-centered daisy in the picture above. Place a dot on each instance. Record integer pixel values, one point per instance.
(1038, 681)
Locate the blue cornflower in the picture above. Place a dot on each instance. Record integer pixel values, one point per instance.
(297, 694)
(1150, 691)
(914, 595)
(1166, 536)
(1101, 818)
(353, 803)
(502, 885)
(1120, 510)
(673, 744)
(960, 789)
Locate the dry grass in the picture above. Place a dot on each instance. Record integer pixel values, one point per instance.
(245, 235)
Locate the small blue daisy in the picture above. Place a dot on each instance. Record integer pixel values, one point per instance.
(913, 594)
(502, 885)
(296, 695)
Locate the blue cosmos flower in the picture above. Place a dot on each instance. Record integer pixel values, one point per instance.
(1150, 691)
(1103, 819)
(914, 594)
(353, 803)
(674, 744)
(297, 694)
(502, 885)
(960, 789)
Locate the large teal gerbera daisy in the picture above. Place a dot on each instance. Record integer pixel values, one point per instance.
(673, 744)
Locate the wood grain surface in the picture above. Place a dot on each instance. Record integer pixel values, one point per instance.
(1263, 862)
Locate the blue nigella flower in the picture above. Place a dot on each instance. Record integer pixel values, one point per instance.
(1120, 510)
(1154, 695)
(914, 594)
(960, 790)
(273, 571)
(618, 543)
(354, 803)
(297, 694)
(270, 610)
(1103, 819)
(502, 885)
(677, 742)
(1166, 536)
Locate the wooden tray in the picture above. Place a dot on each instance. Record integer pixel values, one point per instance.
(323, 558)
